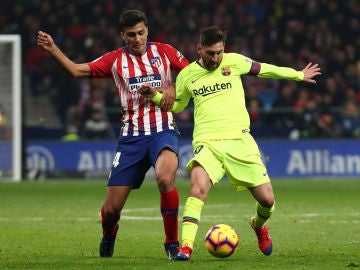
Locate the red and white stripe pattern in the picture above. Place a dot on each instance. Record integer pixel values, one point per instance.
(140, 115)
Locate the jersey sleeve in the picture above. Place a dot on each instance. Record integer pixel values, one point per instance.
(179, 103)
(276, 72)
(101, 67)
(246, 65)
(264, 70)
(177, 59)
(182, 95)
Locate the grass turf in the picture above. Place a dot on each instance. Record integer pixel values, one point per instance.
(56, 225)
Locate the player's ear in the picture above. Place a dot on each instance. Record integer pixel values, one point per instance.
(198, 48)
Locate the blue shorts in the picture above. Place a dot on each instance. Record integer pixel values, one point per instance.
(136, 154)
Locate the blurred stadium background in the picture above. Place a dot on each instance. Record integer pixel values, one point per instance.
(316, 127)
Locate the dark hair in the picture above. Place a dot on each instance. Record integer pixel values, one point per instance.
(130, 18)
(211, 35)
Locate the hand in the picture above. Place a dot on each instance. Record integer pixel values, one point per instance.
(45, 41)
(310, 71)
(168, 98)
(147, 91)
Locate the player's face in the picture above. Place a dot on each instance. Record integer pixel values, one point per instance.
(211, 56)
(135, 38)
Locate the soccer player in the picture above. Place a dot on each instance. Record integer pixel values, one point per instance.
(222, 141)
(148, 136)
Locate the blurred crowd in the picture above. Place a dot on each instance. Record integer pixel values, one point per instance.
(281, 32)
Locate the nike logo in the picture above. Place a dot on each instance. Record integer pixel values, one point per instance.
(264, 174)
(125, 66)
(171, 146)
(194, 80)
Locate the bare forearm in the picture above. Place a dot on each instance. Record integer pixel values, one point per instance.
(45, 41)
(75, 70)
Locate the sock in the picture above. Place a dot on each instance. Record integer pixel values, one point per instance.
(169, 202)
(262, 215)
(191, 219)
(109, 223)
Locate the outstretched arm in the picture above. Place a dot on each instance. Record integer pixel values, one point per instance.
(276, 72)
(46, 42)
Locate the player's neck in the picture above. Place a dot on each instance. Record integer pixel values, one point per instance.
(200, 62)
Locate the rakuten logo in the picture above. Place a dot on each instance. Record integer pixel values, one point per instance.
(211, 89)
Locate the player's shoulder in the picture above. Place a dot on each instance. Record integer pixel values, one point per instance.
(115, 53)
(193, 69)
(190, 68)
(235, 57)
(161, 46)
(108, 56)
(164, 49)
(238, 61)
(168, 51)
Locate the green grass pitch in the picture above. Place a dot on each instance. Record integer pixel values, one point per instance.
(56, 225)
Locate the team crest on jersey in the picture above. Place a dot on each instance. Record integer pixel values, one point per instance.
(155, 61)
(226, 71)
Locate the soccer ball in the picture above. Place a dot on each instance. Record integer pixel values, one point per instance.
(221, 240)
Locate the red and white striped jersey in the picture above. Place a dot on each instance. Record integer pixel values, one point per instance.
(140, 115)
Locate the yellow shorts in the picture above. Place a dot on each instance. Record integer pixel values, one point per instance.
(239, 159)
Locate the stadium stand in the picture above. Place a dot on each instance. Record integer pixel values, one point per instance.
(288, 33)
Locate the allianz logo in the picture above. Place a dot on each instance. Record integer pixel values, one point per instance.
(39, 158)
(42, 159)
(322, 162)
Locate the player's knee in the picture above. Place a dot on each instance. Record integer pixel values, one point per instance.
(165, 183)
(165, 173)
(199, 191)
(111, 210)
(267, 202)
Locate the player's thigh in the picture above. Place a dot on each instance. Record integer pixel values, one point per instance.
(200, 182)
(131, 162)
(207, 156)
(165, 170)
(243, 163)
(164, 151)
(166, 163)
